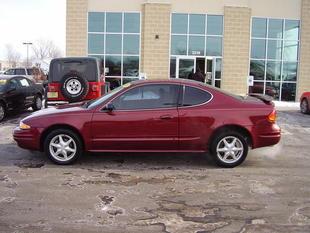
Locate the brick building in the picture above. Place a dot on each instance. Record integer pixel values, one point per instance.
(227, 40)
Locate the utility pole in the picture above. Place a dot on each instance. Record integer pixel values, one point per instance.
(27, 44)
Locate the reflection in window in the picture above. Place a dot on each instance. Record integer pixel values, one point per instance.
(291, 30)
(289, 71)
(195, 96)
(172, 67)
(132, 23)
(258, 50)
(179, 23)
(214, 46)
(275, 28)
(288, 91)
(131, 44)
(290, 51)
(258, 88)
(218, 68)
(197, 24)
(196, 45)
(274, 50)
(131, 66)
(257, 69)
(178, 45)
(273, 89)
(96, 22)
(273, 71)
(114, 44)
(96, 43)
(113, 63)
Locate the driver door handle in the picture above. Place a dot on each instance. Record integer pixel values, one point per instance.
(166, 117)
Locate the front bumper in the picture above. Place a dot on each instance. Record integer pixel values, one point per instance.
(268, 138)
(28, 138)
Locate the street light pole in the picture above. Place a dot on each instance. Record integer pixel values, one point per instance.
(27, 44)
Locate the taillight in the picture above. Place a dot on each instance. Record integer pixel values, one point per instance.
(52, 88)
(272, 116)
(95, 87)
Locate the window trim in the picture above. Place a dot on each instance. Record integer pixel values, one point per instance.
(196, 105)
(144, 109)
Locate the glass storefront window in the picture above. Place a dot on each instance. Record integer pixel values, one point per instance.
(278, 70)
(131, 66)
(289, 71)
(179, 23)
(258, 50)
(113, 63)
(274, 50)
(96, 43)
(259, 28)
(197, 24)
(113, 44)
(132, 23)
(258, 87)
(96, 21)
(178, 45)
(114, 22)
(218, 68)
(214, 46)
(257, 69)
(273, 71)
(196, 45)
(291, 30)
(215, 25)
(275, 28)
(290, 51)
(131, 44)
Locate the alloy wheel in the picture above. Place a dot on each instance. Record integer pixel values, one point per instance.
(74, 86)
(62, 147)
(304, 106)
(39, 103)
(1, 112)
(229, 149)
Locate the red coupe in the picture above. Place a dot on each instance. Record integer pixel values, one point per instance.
(154, 116)
(304, 103)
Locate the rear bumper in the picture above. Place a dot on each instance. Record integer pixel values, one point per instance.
(268, 138)
(27, 139)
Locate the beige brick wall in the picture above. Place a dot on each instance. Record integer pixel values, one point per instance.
(155, 52)
(236, 45)
(76, 28)
(304, 64)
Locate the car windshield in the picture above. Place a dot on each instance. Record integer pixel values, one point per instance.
(96, 102)
(2, 84)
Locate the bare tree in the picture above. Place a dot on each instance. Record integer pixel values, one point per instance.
(12, 56)
(43, 49)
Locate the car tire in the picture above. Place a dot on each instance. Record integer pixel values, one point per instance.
(229, 149)
(37, 105)
(74, 87)
(63, 146)
(2, 111)
(304, 106)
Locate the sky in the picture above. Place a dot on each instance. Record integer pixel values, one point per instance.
(29, 21)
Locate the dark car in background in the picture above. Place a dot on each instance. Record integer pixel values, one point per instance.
(154, 116)
(19, 92)
(74, 79)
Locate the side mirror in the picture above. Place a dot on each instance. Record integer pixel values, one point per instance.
(109, 107)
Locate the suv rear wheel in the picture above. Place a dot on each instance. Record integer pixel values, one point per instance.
(304, 106)
(63, 146)
(2, 111)
(229, 149)
(74, 86)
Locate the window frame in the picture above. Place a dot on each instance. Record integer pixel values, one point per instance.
(179, 94)
(196, 105)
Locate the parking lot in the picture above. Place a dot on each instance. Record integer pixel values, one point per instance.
(187, 193)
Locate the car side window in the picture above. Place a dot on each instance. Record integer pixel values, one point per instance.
(9, 72)
(20, 72)
(13, 84)
(148, 97)
(195, 96)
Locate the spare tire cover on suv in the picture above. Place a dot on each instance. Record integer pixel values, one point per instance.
(74, 87)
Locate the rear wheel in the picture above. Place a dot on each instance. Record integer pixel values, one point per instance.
(229, 149)
(63, 146)
(37, 105)
(304, 106)
(2, 111)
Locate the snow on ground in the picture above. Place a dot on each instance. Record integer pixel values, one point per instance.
(282, 105)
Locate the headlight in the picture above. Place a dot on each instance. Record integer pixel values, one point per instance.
(23, 125)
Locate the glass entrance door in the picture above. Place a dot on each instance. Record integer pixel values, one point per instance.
(210, 70)
(185, 67)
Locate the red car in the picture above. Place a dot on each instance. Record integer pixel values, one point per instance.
(304, 103)
(154, 116)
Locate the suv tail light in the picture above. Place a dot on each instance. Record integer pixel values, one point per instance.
(272, 116)
(52, 88)
(95, 87)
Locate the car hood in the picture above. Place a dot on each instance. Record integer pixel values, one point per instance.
(68, 108)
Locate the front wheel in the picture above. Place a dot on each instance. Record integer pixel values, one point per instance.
(37, 105)
(229, 149)
(63, 146)
(2, 112)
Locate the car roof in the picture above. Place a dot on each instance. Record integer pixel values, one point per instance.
(171, 81)
(8, 77)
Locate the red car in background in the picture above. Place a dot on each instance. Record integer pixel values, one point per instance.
(304, 103)
(155, 116)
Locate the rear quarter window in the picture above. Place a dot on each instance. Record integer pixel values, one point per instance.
(195, 96)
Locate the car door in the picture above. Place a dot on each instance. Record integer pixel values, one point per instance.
(27, 91)
(14, 95)
(195, 119)
(144, 118)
